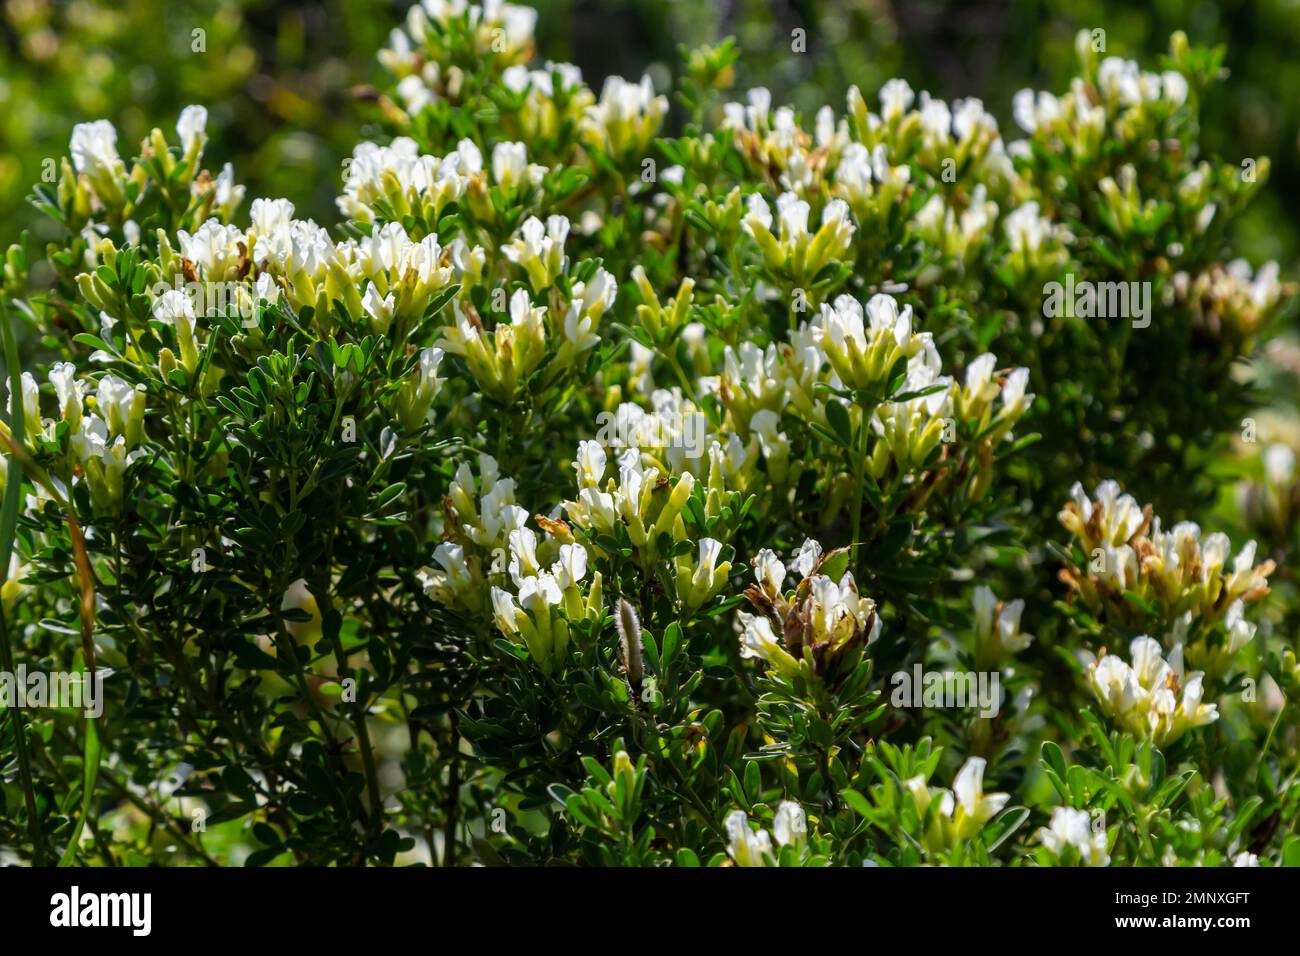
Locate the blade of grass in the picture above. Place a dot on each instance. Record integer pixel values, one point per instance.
(8, 530)
(90, 756)
(90, 775)
(23, 463)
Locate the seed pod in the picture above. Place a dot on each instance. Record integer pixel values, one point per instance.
(629, 632)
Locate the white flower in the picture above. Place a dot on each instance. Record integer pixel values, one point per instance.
(1118, 517)
(979, 375)
(1015, 399)
(599, 507)
(792, 215)
(1279, 465)
(504, 611)
(994, 643)
(115, 399)
(215, 249)
(790, 825)
(1115, 684)
(94, 147)
(379, 308)
(747, 847)
(510, 166)
(227, 195)
(539, 593)
(968, 789)
(1009, 626)
(192, 130)
(1073, 828)
(590, 301)
(895, 99)
(1240, 631)
(523, 555)
(922, 796)
(1026, 229)
(414, 94)
(63, 376)
(452, 558)
(1143, 698)
(837, 612)
(90, 440)
(769, 572)
(853, 175)
(539, 249)
(1119, 79)
(759, 641)
(1174, 87)
(298, 597)
(757, 214)
(626, 116)
(571, 567)
(590, 463)
(176, 309)
(810, 553)
(1033, 112)
(710, 551)
(430, 359)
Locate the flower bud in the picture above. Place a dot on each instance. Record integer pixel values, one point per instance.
(630, 647)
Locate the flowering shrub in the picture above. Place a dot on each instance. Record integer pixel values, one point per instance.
(628, 487)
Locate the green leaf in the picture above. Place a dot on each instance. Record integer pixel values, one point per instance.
(671, 641)
(858, 803)
(1291, 851)
(837, 416)
(1007, 823)
(1053, 758)
(94, 342)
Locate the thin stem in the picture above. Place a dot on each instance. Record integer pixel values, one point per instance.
(331, 624)
(860, 485)
(671, 356)
(453, 795)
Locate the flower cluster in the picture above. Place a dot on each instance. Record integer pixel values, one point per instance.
(537, 612)
(1229, 299)
(1136, 572)
(479, 515)
(394, 181)
(1070, 837)
(625, 119)
(641, 501)
(794, 249)
(98, 433)
(957, 814)
(1148, 697)
(815, 628)
(756, 847)
(442, 38)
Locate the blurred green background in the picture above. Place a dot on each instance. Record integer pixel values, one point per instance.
(278, 77)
